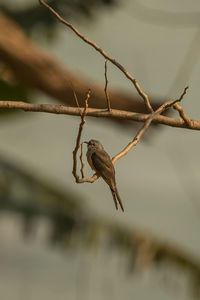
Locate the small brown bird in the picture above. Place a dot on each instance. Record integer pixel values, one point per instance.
(101, 163)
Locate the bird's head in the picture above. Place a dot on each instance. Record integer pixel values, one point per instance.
(94, 144)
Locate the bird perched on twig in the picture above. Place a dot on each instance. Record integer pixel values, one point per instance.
(101, 163)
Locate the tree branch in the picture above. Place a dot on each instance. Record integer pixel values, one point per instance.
(140, 133)
(103, 53)
(77, 146)
(99, 113)
(20, 56)
(182, 114)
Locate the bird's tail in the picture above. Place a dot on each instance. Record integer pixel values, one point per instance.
(116, 198)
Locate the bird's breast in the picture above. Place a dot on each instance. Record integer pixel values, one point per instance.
(89, 159)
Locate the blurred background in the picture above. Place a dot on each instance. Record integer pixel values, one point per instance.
(62, 240)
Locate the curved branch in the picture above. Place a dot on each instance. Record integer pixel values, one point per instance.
(20, 56)
(182, 114)
(77, 146)
(103, 53)
(140, 133)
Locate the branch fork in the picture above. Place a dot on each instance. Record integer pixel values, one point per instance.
(153, 116)
(132, 144)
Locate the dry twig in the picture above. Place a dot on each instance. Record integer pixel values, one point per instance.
(82, 163)
(182, 114)
(106, 88)
(138, 136)
(103, 53)
(75, 96)
(77, 146)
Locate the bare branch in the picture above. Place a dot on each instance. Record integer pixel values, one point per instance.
(103, 53)
(140, 133)
(21, 56)
(82, 163)
(106, 87)
(182, 114)
(79, 138)
(98, 113)
(77, 178)
(183, 94)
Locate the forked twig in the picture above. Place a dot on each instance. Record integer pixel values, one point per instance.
(79, 138)
(138, 88)
(182, 114)
(133, 143)
(77, 146)
(140, 133)
(103, 53)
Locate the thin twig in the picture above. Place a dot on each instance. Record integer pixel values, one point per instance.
(82, 163)
(79, 138)
(182, 114)
(103, 53)
(106, 87)
(75, 96)
(83, 121)
(140, 133)
(183, 93)
(98, 113)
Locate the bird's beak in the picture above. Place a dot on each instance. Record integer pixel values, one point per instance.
(86, 142)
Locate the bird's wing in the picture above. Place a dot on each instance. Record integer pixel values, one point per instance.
(103, 164)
